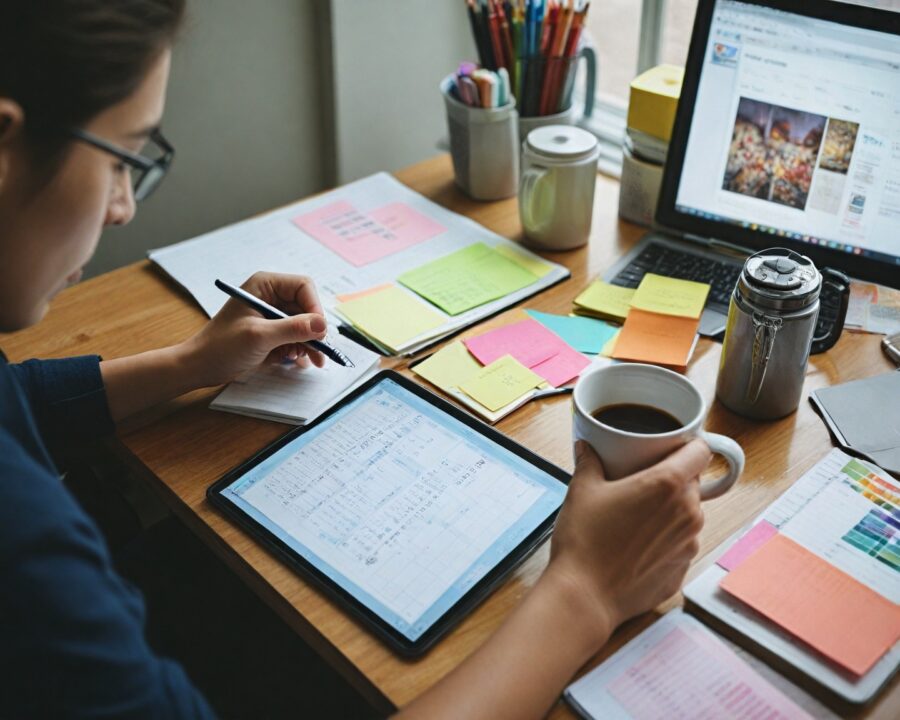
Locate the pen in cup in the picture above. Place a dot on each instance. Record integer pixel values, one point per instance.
(273, 313)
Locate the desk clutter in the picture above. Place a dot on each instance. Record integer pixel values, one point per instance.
(815, 580)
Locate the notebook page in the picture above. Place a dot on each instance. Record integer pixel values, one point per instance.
(677, 668)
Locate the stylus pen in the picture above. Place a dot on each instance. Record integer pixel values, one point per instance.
(273, 313)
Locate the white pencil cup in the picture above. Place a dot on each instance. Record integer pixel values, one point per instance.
(556, 193)
(484, 145)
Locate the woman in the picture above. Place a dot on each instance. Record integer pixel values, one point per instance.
(82, 88)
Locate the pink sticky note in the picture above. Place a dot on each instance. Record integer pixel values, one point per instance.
(562, 367)
(752, 540)
(361, 238)
(527, 341)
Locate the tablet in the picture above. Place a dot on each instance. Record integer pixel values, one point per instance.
(406, 509)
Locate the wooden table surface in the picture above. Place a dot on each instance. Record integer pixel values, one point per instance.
(183, 447)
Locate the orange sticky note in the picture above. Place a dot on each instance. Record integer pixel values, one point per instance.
(809, 597)
(362, 293)
(655, 338)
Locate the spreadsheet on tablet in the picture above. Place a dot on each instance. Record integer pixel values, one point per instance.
(402, 505)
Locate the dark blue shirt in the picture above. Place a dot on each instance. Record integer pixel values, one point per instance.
(71, 630)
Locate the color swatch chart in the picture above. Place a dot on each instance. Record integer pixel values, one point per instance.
(878, 533)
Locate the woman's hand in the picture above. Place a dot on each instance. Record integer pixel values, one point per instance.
(239, 339)
(625, 546)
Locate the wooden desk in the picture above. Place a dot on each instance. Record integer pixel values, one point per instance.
(182, 447)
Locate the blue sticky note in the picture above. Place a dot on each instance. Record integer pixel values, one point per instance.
(584, 334)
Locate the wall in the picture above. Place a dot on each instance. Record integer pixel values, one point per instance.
(245, 116)
(387, 60)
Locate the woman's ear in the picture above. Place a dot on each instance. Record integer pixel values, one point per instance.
(12, 125)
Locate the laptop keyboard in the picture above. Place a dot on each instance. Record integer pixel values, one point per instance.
(664, 260)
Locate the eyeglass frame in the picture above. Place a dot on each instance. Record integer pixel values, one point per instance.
(142, 187)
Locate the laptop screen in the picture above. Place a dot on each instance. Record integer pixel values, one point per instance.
(795, 133)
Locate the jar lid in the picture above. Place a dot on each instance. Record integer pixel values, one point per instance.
(780, 279)
(564, 142)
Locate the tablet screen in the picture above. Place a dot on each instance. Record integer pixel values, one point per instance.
(400, 504)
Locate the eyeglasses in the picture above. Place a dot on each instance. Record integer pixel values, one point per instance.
(146, 173)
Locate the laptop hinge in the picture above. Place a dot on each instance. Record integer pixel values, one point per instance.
(720, 245)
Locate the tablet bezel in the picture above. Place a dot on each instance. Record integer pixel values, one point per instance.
(367, 617)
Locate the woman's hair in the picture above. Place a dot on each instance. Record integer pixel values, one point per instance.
(65, 61)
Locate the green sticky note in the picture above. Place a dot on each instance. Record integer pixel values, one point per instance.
(605, 300)
(467, 278)
(501, 382)
(670, 296)
(391, 316)
(449, 367)
(532, 263)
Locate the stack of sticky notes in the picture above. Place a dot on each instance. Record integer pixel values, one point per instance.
(496, 372)
(661, 317)
(429, 299)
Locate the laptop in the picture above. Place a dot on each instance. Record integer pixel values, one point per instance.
(787, 135)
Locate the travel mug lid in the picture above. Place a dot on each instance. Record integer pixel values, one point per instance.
(780, 279)
(562, 142)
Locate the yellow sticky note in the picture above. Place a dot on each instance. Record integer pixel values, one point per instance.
(605, 300)
(610, 347)
(532, 264)
(670, 296)
(449, 367)
(501, 382)
(391, 316)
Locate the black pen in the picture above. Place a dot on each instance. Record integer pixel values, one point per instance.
(273, 313)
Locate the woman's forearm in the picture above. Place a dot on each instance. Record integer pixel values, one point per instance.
(522, 669)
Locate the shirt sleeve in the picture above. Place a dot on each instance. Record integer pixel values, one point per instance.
(68, 400)
(73, 642)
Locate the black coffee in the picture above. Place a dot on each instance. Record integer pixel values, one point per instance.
(643, 419)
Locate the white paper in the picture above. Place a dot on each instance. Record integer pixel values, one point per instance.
(274, 243)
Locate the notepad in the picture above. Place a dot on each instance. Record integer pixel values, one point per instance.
(603, 300)
(467, 278)
(392, 316)
(843, 619)
(677, 668)
(295, 395)
(501, 382)
(585, 334)
(654, 338)
(670, 296)
(533, 264)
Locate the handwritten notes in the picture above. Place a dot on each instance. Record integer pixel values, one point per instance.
(501, 382)
(603, 300)
(467, 278)
(391, 316)
(533, 345)
(654, 338)
(449, 367)
(584, 334)
(670, 296)
(361, 238)
(840, 617)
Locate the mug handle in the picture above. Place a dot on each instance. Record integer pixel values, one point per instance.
(589, 54)
(734, 456)
(530, 196)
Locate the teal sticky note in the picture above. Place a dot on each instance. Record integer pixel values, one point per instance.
(584, 334)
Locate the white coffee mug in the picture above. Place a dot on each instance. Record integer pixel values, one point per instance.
(623, 452)
(556, 192)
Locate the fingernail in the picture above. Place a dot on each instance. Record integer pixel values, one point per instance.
(317, 324)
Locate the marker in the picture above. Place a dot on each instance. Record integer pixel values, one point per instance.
(273, 313)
